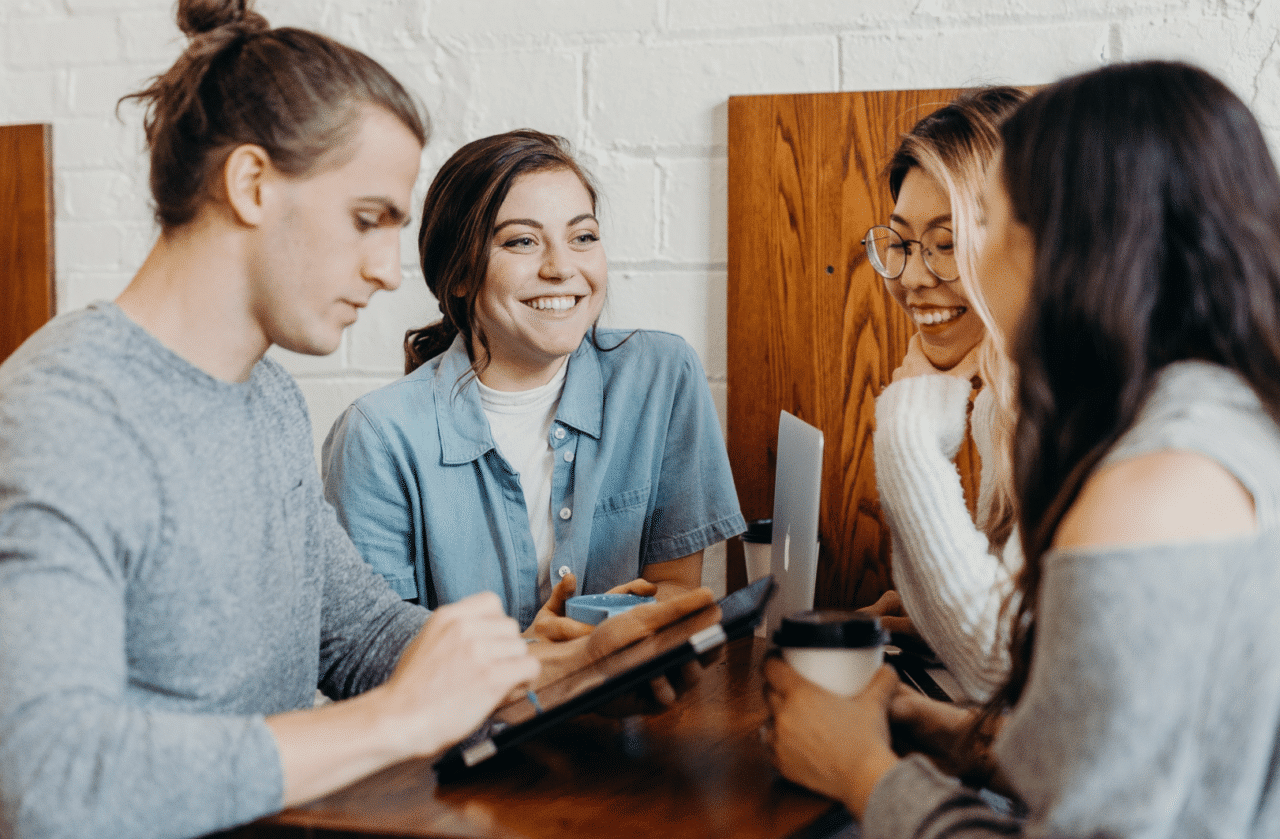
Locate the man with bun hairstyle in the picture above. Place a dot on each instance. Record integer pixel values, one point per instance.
(173, 586)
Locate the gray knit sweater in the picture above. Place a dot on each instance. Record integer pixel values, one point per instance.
(1153, 708)
(169, 574)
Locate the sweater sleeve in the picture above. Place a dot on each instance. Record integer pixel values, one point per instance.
(951, 584)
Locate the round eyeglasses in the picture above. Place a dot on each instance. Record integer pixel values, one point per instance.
(888, 252)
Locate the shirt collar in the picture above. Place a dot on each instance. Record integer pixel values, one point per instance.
(464, 429)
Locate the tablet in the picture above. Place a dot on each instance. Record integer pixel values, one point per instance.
(622, 670)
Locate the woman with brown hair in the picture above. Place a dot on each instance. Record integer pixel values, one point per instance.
(1132, 261)
(528, 451)
(173, 585)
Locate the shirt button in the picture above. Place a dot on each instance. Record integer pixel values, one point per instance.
(568, 457)
(559, 433)
(565, 512)
(564, 571)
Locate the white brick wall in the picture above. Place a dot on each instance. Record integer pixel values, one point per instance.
(639, 86)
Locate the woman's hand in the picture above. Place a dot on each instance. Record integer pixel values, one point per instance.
(892, 614)
(621, 631)
(943, 731)
(836, 746)
(551, 623)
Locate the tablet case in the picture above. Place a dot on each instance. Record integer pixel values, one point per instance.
(621, 671)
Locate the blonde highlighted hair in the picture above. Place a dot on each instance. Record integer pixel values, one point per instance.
(954, 145)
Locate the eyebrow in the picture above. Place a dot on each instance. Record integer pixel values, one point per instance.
(933, 222)
(528, 222)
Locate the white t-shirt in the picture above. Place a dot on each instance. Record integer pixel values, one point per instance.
(521, 425)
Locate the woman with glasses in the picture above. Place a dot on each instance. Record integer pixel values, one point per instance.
(952, 574)
(1132, 261)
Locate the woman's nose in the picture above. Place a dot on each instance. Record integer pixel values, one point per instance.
(915, 274)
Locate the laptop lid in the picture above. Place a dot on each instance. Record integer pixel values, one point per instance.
(797, 489)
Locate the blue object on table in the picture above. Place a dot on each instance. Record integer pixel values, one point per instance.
(593, 608)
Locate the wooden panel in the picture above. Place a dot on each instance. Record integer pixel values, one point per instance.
(811, 328)
(26, 232)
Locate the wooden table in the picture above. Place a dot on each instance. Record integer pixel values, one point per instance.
(697, 770)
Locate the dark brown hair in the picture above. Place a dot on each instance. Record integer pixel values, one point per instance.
(293, 92)
(458, 217)
(1154, 206)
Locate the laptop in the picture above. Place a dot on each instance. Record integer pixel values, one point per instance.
(797, 489)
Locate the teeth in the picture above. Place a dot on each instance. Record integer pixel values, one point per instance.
(930, 317)
(558, 304)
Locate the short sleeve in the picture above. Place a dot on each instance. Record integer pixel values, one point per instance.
(366, 485)
(696, 502)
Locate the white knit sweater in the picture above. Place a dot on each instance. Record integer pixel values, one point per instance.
(952, 584)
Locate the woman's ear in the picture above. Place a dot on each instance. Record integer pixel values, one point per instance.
(243, 177)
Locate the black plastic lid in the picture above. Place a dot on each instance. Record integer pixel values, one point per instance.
(759, 531)
(830, 628)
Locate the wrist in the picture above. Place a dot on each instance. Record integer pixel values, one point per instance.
(864, 778)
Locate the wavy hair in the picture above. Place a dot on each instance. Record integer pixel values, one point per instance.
(954, 145)
(458, 217)
(1154, 207)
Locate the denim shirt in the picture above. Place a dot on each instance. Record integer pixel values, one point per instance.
(641, 475)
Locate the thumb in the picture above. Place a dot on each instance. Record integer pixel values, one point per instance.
(562, 592)
(883, 685)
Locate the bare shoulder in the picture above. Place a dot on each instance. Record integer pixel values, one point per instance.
(1165, 496)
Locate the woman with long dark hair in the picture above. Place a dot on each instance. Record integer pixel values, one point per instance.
(527, 451)
(1133, 259)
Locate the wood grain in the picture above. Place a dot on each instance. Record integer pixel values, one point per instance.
(697, 770)
(26, 232)
(811, 328)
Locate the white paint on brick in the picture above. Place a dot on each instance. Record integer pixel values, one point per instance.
(662, 95)
(627, 206)
(977, 55)
(539, 89)
(62, 41)
(695, 209)
(454, 18)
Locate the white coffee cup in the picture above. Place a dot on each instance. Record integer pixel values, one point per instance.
(835, 649)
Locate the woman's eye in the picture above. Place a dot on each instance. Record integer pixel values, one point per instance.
(586, 238)
(519, 242)
(366, 222)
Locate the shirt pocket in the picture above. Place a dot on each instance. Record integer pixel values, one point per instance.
(619, 531)
(623, 502)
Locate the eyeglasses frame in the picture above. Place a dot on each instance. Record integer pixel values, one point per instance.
(906, 241)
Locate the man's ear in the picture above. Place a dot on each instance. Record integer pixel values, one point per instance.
(244, 176)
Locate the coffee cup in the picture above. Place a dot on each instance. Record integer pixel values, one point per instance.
(836, 649)
(757, 548)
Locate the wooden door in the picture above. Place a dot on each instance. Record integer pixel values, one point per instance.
(811, 328)
(26, 232)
